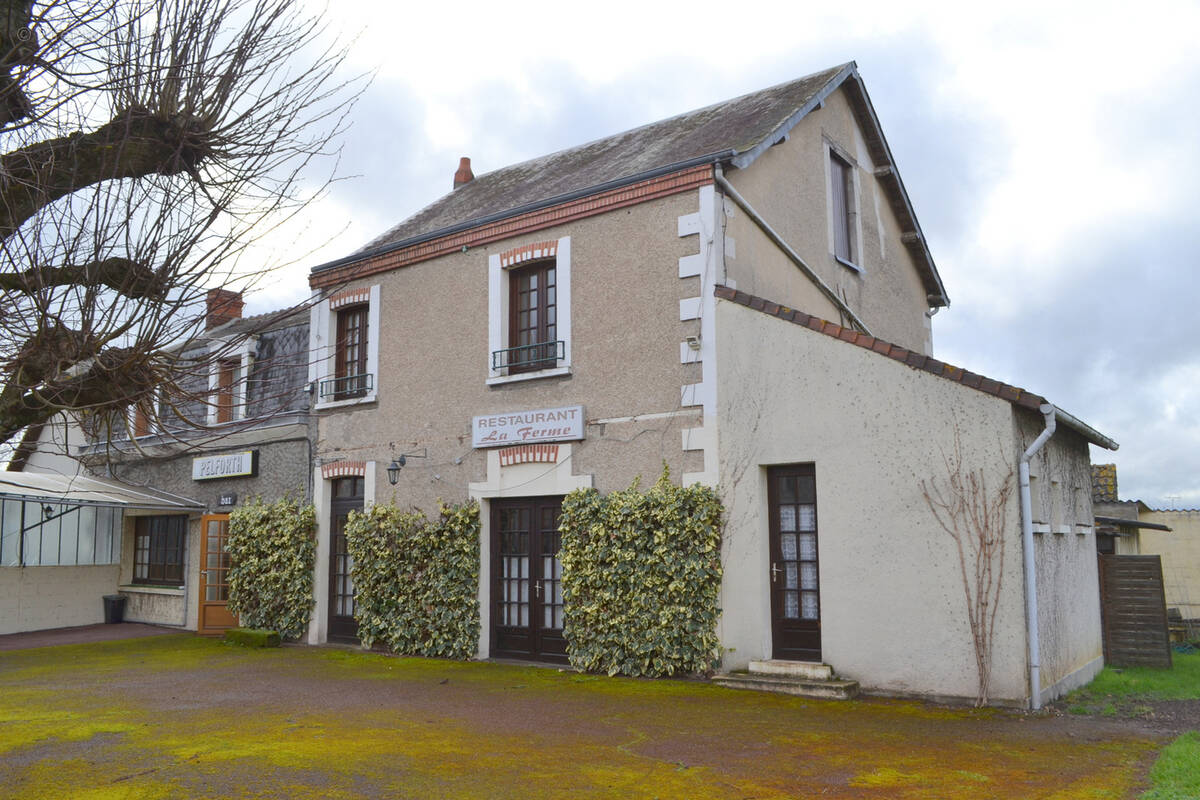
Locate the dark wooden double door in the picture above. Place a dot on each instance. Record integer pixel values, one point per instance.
(793, 574)
(526, 592)
(347, 496)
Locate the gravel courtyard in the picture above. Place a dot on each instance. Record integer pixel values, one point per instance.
(179, 716)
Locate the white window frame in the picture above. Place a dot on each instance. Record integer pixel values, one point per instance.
(853, 206)
(498, 323)
(245, 350)
(323, 346)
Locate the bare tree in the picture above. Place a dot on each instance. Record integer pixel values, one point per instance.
(975, 515)
(143, 147)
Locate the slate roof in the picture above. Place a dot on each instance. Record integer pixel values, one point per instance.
(734, 131)
(981, 383)
(721, 130)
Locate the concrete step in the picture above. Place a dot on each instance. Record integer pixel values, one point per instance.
(783, 684)
(808, 670)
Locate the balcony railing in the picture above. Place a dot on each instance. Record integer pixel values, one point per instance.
(542, 355)
(347, 387)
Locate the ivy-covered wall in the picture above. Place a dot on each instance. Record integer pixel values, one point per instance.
(417, 580)
(641, 577)
(271, 550)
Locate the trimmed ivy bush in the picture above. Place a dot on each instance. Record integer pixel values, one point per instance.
(271, 549)
(417, 580)
(641, 577)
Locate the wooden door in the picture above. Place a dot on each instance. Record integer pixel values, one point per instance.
(214, 616)
(526, 608)
(347, 497)
(793, 570)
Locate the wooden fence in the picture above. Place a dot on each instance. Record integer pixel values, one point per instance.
(1134, 612)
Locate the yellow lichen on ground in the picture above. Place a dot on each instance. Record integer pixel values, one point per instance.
(183, 717)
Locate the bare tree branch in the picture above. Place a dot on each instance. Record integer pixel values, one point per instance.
(975, 517)
(144, 147)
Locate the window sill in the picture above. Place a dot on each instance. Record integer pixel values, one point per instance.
(553, 372)
(139, 588)
(849, 264)
(321, 405)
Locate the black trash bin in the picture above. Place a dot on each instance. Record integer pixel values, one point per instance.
(114, 608)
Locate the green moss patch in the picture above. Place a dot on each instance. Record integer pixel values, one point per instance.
(186, 717)
(252, 637)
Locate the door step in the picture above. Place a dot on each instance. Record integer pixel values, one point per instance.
(800, 678)
(809, 670)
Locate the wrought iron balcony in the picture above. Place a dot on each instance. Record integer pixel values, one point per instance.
(542, 355)
(347, 387)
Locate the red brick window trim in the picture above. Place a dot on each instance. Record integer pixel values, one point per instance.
(344, 469)
(529, 454)
(529, 252)
(350, 297)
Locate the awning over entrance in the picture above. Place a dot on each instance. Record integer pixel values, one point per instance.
(78, 490)
(59, 520)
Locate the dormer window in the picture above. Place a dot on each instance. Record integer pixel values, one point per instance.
(230, 363)
(227, 369)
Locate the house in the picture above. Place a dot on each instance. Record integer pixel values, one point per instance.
(144, 500)
(742, 292)
(1131, 527)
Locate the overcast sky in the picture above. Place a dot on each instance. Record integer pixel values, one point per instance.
(1051, 150)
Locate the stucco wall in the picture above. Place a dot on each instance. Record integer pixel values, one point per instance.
(36, 598)
(284, 460)
(626, 335)
(59, 439)
(161, 605)
(1180, 551)
(1067, 582)
(788, 185)
(628, 370)
(283, 467)
(893, 608)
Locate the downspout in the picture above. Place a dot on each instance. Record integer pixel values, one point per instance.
(1031, 603)
(777, 240)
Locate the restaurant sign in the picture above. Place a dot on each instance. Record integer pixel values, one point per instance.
(228, 465)
(523, 427)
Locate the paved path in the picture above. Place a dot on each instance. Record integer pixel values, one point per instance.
(80, 635)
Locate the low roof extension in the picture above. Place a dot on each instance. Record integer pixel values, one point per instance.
(981, 383)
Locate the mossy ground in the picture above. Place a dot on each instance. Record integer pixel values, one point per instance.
(182, 717)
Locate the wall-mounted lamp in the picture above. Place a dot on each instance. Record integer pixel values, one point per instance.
(693, 342)
(393, 470)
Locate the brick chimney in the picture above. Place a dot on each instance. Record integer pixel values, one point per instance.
(223, 306)
(464, 174)
(1104, 483)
